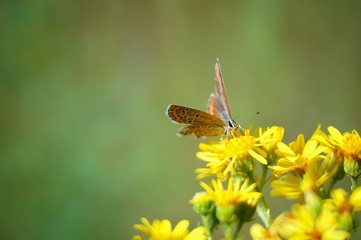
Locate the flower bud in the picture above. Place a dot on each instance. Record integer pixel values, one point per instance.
(352, 167)
(203, 207)
(226, 214)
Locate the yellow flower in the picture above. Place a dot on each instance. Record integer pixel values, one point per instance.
(349, 143)
(234, 194)
(268, 139)
(308, 223)
(162, 230)
(314, 180)
(287, 186)
(296, 156)
(229, 202)
(346, 206)
(346, 146)
(230, 156)
(293, 186)
(258, 232)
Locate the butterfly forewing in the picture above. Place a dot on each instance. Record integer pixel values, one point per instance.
(221, 94)
(186, 115)
(215, 107)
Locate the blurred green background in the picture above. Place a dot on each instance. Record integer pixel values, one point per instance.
(86, 149)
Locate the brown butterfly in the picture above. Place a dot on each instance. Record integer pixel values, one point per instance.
(218, 120)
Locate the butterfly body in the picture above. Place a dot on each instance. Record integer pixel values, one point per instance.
(218, 120)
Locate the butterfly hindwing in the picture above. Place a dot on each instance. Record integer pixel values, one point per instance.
(202, 130)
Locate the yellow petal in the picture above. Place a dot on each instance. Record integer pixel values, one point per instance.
(182, 227)
(257, 231)
(355, 199)
(258, 157)
(335, 134)
(285, 149)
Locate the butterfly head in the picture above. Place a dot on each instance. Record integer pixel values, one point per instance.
(232, 129)
(231, 123)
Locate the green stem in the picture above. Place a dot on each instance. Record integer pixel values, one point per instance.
(330, 187)
(228, 231)
(206, 223)
(354, 183)
(263, 210)
(238, 229)
(263, 177)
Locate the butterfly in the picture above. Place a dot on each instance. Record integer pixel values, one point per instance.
(218, 120)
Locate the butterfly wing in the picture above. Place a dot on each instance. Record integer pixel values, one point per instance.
(216, 122)
(200, 124)
(202, 130)
(191, 116)
(221, 98)
(215, 107)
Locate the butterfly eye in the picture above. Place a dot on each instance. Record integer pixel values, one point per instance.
(232, 123)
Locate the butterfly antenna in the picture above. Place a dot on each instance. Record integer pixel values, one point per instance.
(250, 114)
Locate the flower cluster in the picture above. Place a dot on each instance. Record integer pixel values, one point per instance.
(162, 230)
(303, 170)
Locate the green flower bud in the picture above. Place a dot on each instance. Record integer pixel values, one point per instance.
(245, 211)
(204, 207)
(352, 167)
(226, 214)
